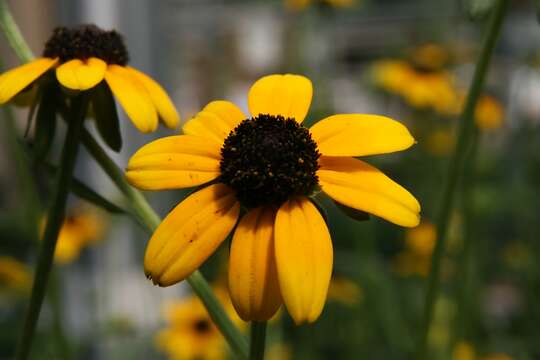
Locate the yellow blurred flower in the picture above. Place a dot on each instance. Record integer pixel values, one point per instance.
(440, 142)
(517, 255)
(279, 352)
(489, 113)
(191, 334)
(80, 229)
(420, 88)
(344, 291)
(298, 5)
(463, 351)
(419, 244)
(430, 56)
(14, 275)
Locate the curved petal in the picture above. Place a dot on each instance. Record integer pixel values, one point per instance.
(304, 259)
(215, 121)
(359, 135)
(190, 234)
(253, 282)
(81, 75)
(15, 80)
(359, 185)
(133, 97)
(174, 162)
(286, 95)
(164, 106)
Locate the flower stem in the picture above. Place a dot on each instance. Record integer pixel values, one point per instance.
(13, 34)
(258, 339)
(145, 215)
(55, 219)
(455, 170)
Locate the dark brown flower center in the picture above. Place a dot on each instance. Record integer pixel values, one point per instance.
(268, 159)
(86, 41)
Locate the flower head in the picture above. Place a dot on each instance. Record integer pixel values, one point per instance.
(88, 58)
(79, 230)
(269, 165)
(14, 275)
(191, 334)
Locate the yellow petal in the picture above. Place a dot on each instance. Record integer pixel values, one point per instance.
(174, 162)
(304, 259)
(253, 283)
(15, 80)
(359, 185)
(359, 135)
(81, 75)
(215, 121)
(286, 95)
(164, 106)
(133, 97)
(190, 234)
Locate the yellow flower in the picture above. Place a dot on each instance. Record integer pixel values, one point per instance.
(270, 165)
(344, 291)
(82, 58)
(279, 351)
(488, 114)
(440, 142)
(191, 334)
(430, 56)
(419, 245)
(463, 351)
(14, 275)
(78, 231)
(419, 88)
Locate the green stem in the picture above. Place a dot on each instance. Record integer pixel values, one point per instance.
(455, 170)
(465, 298)
(258, 339)
(55, 300)
(55, 219)
(145, 215)
(13, 34)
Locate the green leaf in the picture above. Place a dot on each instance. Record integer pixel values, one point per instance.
(354, 214)
(106, 116)
(45, 121)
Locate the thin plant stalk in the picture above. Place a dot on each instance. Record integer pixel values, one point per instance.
(55, 218)
(258, 340)
(455, 170)
(146, 216)
(140, 209)
(465, 296)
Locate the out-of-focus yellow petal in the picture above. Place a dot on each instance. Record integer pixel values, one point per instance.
(215, 121)
(190, 234)
(15, 80)
(174, 162)
(359, 185)
(488, 113)
(164, 106)
(286, 95)
(303, 258)
(360, 135)
(133, 97)
(81, 75)
(253, 282)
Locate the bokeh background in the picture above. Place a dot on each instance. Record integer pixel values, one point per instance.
(411, 60)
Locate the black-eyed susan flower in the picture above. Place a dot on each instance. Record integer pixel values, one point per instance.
(190, 333)
(269, 165)
(421, 80)
(15, 276)
(86, 58)
(80, 229)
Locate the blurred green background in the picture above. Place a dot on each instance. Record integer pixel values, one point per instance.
(411, 60)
